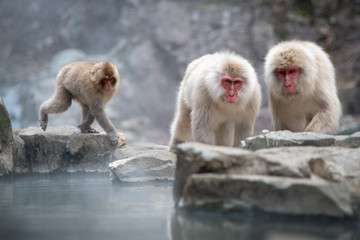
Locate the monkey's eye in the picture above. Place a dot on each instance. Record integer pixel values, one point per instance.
(237, 82)
(228, 81)
(282, 72)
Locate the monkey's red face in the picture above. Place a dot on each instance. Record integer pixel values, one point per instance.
(288, 77)
(231, 86)
(108, 82)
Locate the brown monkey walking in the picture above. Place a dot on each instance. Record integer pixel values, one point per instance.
(302, 92)
(92, 85)
(218, 101)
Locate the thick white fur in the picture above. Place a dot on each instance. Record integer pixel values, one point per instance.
(202, 112)
(315, 107)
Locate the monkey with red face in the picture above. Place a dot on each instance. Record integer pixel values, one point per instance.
(218, 101)
(302, 92)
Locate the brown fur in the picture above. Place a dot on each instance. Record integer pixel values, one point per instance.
(202, 113)
(81, 81)
(315, 107)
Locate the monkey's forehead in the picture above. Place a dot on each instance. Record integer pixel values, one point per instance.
(284, 57)
(234, 69)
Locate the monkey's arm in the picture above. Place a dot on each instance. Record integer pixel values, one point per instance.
(99, 114)
(180, 128)
(325, 121)
(243, 131)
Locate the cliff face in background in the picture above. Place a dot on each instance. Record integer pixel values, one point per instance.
(151, 43)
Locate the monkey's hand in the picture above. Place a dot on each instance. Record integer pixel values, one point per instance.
(173, 144)
(43, 125)
(114, 138)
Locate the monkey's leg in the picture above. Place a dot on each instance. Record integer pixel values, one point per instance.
(100, 116)
(180, 128)
(224, 135)
(87, 120)
(243, 131)
(59, 103)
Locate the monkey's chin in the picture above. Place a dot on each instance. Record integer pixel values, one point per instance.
(231, 101)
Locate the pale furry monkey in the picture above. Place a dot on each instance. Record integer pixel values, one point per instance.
(92, 85)
(302, 91)
(218, 101)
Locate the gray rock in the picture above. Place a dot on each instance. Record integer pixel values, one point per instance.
(197, 157)
(144, 163)
(6, 140)
(287, 138)
(47, 151)
(330, 163)
(21, 165)
(64, 149)
(267, 193)
(136, 149)
(352, 141)
(269, 179)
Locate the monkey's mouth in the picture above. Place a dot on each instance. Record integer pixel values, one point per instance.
(230, 99)
(290, 94)
(108, 84)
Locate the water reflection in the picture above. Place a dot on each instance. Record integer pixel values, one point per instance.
(91, 207)
(82, 207)
(186, 226)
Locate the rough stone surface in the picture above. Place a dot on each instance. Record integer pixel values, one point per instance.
(21, 165)
(6, 140)
(63, 149)
(145, 165)
(350, 141)
(269, 179)
(287, 138)
(330, 163)
(267, 193)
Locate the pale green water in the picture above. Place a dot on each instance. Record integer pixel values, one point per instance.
(92, 207)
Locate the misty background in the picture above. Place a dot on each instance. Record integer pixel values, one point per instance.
(151, 42)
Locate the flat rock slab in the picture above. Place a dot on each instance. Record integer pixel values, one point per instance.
(287, 138)
(352, 141)
(64, 149)
(143, 163)
(323, 171)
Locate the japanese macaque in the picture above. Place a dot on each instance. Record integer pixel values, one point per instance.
(302, 91)
(92, 85)
(218, 101)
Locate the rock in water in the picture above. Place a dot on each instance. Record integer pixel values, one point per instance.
(6, 141)
(307, 181)
(144, 163)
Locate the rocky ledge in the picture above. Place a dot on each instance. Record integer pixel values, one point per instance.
(65, 149)
(283, 176)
